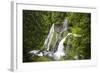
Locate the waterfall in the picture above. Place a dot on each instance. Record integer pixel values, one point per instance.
(49, 38)
(65, 25)
(58, 49)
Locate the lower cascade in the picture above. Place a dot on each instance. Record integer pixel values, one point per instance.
(60, 51)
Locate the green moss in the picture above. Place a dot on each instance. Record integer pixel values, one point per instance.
(42, 58)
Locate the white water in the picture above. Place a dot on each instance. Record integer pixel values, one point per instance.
(49, 38)
(65, 25)
(60, 50)
(36, 52)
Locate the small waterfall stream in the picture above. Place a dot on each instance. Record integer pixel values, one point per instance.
(60, 47)
(49, 38)
(60, 50)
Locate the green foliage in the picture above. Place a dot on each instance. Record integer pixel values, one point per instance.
(41, 58)
(36, 26)
(80, 24)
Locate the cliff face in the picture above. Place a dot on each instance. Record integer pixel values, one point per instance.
(58, 28)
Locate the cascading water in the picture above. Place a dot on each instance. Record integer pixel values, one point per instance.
(65, 25)
(60, 51)
(60, 48)
(49, 38)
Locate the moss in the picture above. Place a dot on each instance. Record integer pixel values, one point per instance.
(42, 58)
